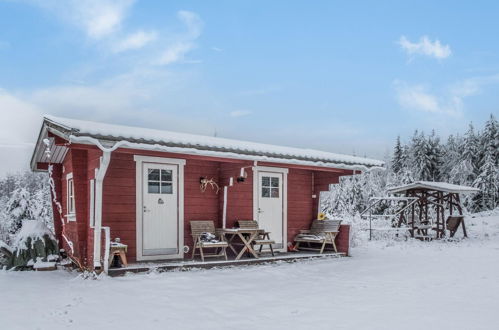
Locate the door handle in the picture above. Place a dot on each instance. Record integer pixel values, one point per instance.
(260, 210)
(146, 210)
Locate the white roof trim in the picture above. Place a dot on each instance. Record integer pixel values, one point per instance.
(144, 138)
(439, 186)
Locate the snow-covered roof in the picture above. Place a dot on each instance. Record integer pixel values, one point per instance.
(431, 185)
(68, 128)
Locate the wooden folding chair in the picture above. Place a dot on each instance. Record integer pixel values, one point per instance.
(200, 227)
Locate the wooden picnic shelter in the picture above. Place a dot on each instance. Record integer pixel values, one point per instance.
(438, 207)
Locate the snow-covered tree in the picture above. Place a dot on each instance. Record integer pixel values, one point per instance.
(464, 172)
(23, 196)
(470, 160)
(398, 157)
(488, 172)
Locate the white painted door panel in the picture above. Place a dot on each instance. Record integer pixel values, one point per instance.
(159, 209)
(270, 205)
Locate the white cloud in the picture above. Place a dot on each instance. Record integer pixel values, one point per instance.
(425, 47)
(21, 121)
(192, 21)
(449, 101)
(217, 49)
(240, 113)
(186, 42)
(417, 97)
(175, 53)
(135, 40)
(97, 18)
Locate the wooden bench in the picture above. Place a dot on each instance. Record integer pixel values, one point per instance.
(321, 232)
(200, 227)
(263, 236)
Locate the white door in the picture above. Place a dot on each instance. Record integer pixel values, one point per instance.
(160, 221)
(270, 206)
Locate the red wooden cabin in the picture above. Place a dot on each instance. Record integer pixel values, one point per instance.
(144, 186)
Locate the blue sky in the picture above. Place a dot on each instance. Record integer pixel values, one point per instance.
(333, 75)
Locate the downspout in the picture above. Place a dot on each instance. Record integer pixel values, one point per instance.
(99, 180)
(100, 174)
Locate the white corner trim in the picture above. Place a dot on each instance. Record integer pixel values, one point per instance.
(91, 215)
(138, 200)
(69, 176)
(256, 183)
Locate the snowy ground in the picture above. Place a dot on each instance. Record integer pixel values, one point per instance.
(385, 285)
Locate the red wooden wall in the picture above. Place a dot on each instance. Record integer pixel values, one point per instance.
(119, 196)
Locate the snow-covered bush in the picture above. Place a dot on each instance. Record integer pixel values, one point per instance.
(34, 243)
(23, 196)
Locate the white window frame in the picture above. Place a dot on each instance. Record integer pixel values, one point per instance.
(70, 198)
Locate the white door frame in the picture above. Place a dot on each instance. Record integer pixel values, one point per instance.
(256, 184)
(139, 160)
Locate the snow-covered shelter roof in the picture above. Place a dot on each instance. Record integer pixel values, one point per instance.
(144, 138)
(436, 186)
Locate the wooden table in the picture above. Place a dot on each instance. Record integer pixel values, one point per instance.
(246, 235)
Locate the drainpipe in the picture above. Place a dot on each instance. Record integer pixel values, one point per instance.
(100, 174)
(99, 180)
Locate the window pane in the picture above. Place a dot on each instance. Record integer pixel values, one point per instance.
(153, 188)
(265, 181)
(265, 192)
(166, 175)
(275, 182)
(274, 192)
(153, 174)
(166, 188)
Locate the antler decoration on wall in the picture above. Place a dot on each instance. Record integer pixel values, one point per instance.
(204, 182)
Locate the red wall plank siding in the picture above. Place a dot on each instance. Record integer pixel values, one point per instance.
(342, 240)
(199, 205)
(119, 196)
(118, 200)
(76, 231)
(239, 195)
(300, 202)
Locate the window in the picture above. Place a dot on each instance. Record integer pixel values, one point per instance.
(71, 195)
(159, 181)
(270, 187)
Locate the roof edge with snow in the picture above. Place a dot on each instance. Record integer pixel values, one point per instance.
(431, 185)
(145, 138)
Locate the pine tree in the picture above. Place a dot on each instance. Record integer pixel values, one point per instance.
(464, 172)
(451, 156)
(434, 157)
(488, 173)
(18, 209)
(397, 160)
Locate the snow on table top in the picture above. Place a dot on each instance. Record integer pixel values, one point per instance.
(126, 133)
(440, 186)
